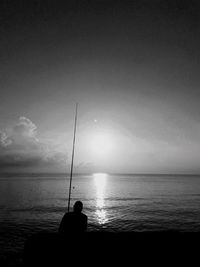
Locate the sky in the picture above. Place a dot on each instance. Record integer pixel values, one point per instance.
(133, 68)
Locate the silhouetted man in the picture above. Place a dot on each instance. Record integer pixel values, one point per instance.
(74, 222)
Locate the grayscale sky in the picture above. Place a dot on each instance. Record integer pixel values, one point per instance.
(134, 69)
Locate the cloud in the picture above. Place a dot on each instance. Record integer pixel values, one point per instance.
(25, 128)
(4, 140)
(20, 148)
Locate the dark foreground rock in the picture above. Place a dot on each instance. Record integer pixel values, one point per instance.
(108, 249)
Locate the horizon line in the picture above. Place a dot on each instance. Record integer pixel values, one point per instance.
(90, 173)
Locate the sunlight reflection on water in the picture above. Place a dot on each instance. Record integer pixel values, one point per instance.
(100, 180)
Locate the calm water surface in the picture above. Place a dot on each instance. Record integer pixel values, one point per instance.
(37, 202)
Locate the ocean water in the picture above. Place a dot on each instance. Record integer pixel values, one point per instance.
(31, 203)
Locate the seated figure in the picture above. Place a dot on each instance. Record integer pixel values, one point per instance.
(74, 222)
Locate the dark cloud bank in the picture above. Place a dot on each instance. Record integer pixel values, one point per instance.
(20, 149)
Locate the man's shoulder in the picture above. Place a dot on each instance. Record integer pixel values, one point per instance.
(68, 214)
(72, 214)
(84, 215)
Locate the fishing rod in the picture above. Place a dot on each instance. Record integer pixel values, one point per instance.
(72, 162)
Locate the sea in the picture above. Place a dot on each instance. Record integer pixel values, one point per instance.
(33, 203)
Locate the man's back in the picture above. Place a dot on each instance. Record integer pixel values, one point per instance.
(73, 222)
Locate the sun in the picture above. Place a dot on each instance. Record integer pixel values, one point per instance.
(101, 144)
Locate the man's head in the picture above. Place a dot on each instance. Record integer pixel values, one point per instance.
(78, 206)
